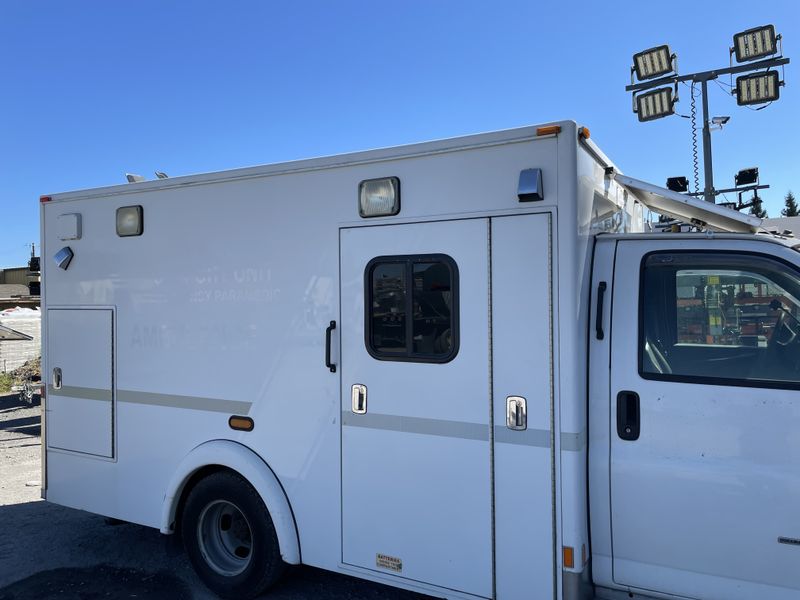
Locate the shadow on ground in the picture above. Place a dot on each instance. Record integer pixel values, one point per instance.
(49, 551)
(10, 401)
(23, 425)
(102, 581)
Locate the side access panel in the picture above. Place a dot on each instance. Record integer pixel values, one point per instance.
(522, 359)
(80, 381)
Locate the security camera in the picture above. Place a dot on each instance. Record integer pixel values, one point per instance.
(720, 120)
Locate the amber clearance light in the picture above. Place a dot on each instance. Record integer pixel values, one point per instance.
(241, 423)
(549, 130)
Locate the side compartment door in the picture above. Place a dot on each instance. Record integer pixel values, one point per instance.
(80, 384)
(416, 466)
(705, 413)
(522, 353)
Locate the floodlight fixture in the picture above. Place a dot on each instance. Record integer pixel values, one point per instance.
(746, 177)
(678, 184)
(755, 43)
(654, 105)
(653, 62)
(758, 88)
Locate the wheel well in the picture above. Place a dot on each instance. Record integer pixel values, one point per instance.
(192, 481)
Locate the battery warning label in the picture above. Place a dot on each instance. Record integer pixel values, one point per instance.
(389, 562)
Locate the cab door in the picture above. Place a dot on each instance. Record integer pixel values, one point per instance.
(705, 413)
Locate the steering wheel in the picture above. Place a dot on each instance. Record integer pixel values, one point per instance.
(783, 333)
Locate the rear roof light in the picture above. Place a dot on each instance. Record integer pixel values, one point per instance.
(549, 130)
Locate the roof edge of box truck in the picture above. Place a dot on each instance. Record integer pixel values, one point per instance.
(389, 153)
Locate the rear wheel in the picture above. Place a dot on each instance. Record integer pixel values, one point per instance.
(230, 538)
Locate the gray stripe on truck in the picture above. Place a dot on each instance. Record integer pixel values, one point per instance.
(73, 391)
(456, 429)
(190, 402)
(151, 399)
(539, 438)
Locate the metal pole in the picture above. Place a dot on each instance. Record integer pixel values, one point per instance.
(708, 193)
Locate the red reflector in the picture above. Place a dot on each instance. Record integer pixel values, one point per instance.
(44, 198)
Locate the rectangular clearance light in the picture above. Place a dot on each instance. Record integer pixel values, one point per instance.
(379, 197)
(129, 221)
(652, 63)
(655, 104)
(757, 89)
(755, 43)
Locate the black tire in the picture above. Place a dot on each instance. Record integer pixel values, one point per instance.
(235, 554)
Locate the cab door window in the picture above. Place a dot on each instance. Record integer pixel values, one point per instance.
(720, 318)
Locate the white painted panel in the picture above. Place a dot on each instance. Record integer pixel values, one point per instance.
(521, 360)
(80, 415)
(69, 226)
(423, 498)
(227, 295)
(700, 500)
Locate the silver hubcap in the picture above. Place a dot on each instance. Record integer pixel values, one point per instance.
(226, 540)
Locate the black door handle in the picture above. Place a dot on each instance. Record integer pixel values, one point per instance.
(628, 415)
(328, 332)
(598, 320)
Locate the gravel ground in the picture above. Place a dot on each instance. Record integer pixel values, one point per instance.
(48, 551)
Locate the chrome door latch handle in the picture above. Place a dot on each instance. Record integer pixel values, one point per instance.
(358, 396)
(516, 413)
(56, 378)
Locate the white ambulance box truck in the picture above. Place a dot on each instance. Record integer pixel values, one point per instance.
(460, 367)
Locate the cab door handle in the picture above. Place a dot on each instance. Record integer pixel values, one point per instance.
(628, 413)
(598, 320)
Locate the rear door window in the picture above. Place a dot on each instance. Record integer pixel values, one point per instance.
(412, 308)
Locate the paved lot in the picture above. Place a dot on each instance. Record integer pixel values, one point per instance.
(49, 551)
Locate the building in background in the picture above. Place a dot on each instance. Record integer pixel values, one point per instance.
(20, 286)
(783, 224)
(15, 352)
(19, 313)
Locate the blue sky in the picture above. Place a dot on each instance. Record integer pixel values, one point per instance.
(91, 90)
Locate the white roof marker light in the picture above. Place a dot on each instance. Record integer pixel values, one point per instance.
(379, 197)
